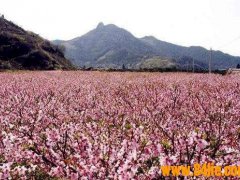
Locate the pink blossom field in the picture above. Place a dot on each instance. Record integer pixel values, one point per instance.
(101, 125)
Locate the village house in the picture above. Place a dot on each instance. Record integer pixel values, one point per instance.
(233, 71)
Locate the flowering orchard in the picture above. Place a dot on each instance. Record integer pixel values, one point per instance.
(98, 125)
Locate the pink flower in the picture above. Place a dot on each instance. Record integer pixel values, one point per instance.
(202, 143)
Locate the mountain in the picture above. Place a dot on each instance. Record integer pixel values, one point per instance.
(199, 54)
(20, 49)
(109, 46)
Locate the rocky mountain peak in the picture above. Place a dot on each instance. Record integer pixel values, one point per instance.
(100, 25)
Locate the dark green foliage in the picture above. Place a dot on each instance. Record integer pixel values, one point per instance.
(20, 49)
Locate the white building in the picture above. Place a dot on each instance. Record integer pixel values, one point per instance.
(233, 71)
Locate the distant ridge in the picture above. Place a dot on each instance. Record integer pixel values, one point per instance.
(109, 46)
(20, 49)
(199, 54)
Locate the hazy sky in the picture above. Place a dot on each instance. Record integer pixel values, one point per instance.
(208, 23)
